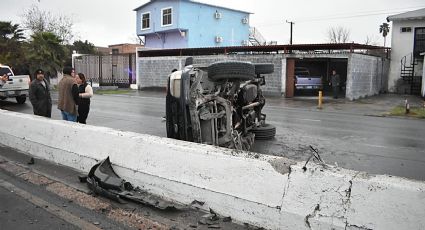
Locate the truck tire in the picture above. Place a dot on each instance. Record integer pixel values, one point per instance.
(231, 70)
(264, 68)
(264, 132)
(21, 99)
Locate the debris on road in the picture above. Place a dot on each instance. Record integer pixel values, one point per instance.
(315, 154)
(212, 219)
(197, 204)
(31, 161)
(103, 180)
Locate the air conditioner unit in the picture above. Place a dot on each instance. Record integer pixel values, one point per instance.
(244, 20)
(218, 39)
(217, 15)
(245, 42)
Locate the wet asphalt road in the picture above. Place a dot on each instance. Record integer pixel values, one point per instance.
(18, 213)
(378, 145)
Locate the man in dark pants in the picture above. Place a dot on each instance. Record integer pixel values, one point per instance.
(335, 81)
(39, 95)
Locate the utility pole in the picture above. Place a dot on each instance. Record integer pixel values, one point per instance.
(292, 23)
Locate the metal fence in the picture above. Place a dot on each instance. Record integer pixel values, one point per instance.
(111, 70)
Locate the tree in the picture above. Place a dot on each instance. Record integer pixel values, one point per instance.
(338, 34)
(384, 29)
(37, 20)
(9, 31)
(371, 40)
(45, 51)
(80, 47)
(12, 46)
(84, 47)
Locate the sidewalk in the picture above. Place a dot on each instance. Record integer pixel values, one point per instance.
(373, 106)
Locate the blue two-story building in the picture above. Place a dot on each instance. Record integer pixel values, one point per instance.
(171, 24)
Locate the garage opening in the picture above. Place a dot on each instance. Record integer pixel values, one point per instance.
(313, 74)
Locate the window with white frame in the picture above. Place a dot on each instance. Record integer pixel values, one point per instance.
(146, 20)
(167, 18)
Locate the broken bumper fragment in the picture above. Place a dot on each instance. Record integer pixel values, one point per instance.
(103, 180)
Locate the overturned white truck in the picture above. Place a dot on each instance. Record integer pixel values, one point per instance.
(220, 104)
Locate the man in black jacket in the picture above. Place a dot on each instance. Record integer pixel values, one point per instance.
(39, 95)
(335, 82)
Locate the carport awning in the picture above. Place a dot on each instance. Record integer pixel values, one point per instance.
(350, 47)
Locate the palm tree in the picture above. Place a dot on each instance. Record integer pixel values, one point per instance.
(11, 40)
(46, 52)
(384, 29)
(9, 31)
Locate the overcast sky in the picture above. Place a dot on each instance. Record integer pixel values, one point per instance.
(106, 22)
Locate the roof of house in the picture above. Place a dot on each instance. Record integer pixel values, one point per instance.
(411, 15)
(124, 44)
(103, 50)
(200, 3)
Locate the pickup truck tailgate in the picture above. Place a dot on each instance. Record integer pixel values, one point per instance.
(308, 82)
(19, 82)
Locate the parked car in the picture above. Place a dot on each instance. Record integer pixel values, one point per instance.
(13, 86)
(304, 81)
(220, 104)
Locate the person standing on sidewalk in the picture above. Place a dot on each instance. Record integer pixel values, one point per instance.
(86, 92)
(335, 81)
(68, 95)
(39, 95)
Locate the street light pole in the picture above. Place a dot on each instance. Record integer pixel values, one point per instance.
(292, 23)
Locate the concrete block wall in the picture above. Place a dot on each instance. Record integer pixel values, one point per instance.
(423, 76)
(273, 81)
(365, 76)
(265, 191)
(385, 74)
(153, 71)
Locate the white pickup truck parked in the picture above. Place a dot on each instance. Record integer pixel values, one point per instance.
(13, 86)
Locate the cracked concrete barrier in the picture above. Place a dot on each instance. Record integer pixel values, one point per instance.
(265, 191)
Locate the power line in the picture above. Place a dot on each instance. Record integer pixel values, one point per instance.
(345, 16)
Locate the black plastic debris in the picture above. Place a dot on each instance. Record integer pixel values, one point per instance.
(227, 219)
(212, 219)
(82, 179)
(31, 161)
(103, 180)
(197, 202)
(315, 155)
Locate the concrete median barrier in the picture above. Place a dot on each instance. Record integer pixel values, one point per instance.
(265, 191)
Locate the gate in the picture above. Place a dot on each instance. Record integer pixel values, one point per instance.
(109, 70)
